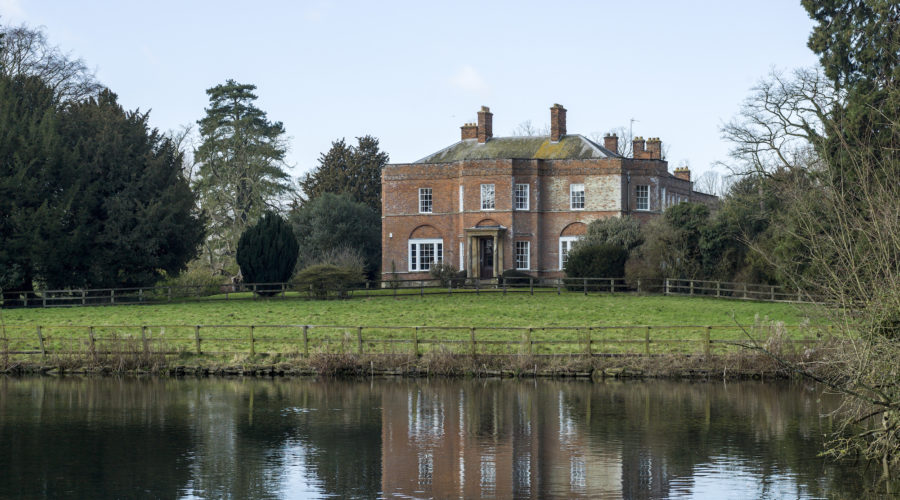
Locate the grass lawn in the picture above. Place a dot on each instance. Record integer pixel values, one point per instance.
(568, 309)
(492, 310)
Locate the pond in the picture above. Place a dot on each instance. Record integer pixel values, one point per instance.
(414, 438)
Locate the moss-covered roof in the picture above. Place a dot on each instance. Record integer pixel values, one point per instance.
(568, 148)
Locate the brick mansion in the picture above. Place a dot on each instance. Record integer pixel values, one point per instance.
(488, 204)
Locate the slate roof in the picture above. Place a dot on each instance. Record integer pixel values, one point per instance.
(570, 147)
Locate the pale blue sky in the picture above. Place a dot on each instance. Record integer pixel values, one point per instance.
(410, 73)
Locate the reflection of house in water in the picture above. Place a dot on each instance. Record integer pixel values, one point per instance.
(488, 442)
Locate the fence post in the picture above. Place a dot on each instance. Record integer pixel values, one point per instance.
(692, 287)
(477, 285)
(718, 288)
(41, 340)
(667, 286)
(504, 285)
(359, 341)
(197, 338)
(585, 285)
(140, 294)
(144, 339)
(421, 289)
(706, 341)
(83, 298)
(587, 343)
(558, 285)
(112, 295)
(773, 293)
(639, 285)
(93, 342)
(531, 285)
(169, 293)
(44, 299)
(647, 341)
(472, 339)
(612, 285)
(745, 289)
(282, 290)
(252, 342)
(450, 287)
(530, 344)
(416, 342)
(305, 341)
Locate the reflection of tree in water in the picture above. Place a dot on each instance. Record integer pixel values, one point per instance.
(677, 428)
(262, 438)
(270, 431)
(92, 438)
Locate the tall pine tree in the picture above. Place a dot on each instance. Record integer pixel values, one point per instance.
(241, 168)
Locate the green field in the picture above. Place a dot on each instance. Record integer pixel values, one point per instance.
(568, 309)
(678, 324)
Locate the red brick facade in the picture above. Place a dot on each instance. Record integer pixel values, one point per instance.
(471, 235)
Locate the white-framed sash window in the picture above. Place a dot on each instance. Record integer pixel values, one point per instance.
(487, 197)
(521, 201)
(523, 255)
(565, 246)
(424, 252)
(424, 200)
(576, 196)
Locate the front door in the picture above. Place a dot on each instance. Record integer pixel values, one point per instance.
(486, 258)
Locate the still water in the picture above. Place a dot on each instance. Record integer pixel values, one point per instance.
(304, 438)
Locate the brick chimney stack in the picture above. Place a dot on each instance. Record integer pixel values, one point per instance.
(637, 147)
(485, 124)
(557, 122)
(654, 148)
(469, 131)
(611, 142)
(683, 173)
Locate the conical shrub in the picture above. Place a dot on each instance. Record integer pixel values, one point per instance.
(267, 252)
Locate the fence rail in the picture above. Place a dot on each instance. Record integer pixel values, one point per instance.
(395, 288)
(305, 340)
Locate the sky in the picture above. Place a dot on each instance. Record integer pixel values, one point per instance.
(411, 73)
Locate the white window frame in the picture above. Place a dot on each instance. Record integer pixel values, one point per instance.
(516, 198)
(461, 196)
(414, 251)
(425, 197)
(462, 256)
(576, 188)
(638, 198)
(517, 246)
(489, 202)
(566, 241)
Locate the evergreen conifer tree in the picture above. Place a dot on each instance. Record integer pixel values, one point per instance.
(267, 251)
(241, 168)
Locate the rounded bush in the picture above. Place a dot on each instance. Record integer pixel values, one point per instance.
(267, 253)
(596, 261)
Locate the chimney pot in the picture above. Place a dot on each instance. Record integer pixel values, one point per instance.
(469, 131)
(557, 122)
(654, 148)
(611, 142)
(683, 173)
(485, 124)
(637, 146)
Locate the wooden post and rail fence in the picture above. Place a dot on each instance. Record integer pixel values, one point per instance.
(400, 288)
(43, 341)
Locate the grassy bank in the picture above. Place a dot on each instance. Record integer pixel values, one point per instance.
(486, 310)
(584, 333)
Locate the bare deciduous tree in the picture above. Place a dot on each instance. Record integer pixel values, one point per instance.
(711, 182)
(780, 123)
(26, 51)
(528, 129)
